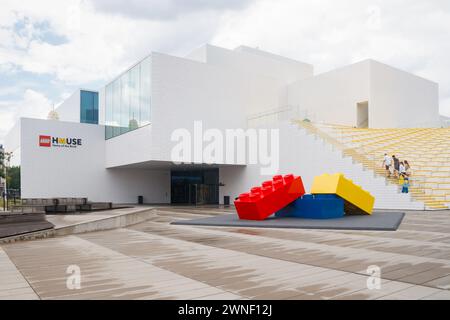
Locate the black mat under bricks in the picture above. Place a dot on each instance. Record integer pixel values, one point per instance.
(378, 221)
(19, 224)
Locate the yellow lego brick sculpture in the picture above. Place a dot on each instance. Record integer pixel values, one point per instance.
(357, 200)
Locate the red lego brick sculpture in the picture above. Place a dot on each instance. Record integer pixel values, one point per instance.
(273, 195)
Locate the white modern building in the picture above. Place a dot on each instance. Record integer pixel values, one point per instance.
(117, 144)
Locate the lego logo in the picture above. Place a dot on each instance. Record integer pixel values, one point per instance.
(45, 141)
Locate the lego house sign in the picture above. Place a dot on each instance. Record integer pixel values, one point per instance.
(57, 142)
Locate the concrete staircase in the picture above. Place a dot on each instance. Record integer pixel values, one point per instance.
(427, 150)
(340, 159)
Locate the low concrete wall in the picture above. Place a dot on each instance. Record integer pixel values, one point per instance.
(107, 223)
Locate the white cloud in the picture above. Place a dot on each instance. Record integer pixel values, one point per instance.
(410, 35)
(169, 9)
(95, 46)
(6, 121)
(5, 91)
(32, 105)
(100, 44)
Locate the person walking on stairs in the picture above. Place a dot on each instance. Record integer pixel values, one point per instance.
(402, 169)
(405, 187)
(396, 165)
(387, 164)
(407, 169)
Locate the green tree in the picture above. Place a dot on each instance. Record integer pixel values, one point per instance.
(2, 160)
(14, 178)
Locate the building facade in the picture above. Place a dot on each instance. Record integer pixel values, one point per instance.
(81, 107)
(117, 144)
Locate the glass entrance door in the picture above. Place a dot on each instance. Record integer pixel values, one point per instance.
(195, 186)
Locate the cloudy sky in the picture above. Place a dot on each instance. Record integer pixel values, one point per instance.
(48, 48)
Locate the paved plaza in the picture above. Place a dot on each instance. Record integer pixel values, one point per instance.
(157, 260)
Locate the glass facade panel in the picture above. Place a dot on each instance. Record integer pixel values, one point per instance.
(195, 186)
(108, 112)
(128, 100)
(135, 103)
(96, 108)
(146, 91)
(124, 103)
(116, 107)
(88, 107)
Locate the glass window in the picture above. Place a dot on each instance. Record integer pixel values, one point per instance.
(128, 100)
(145, 92)
(125, 103)
(116, 107)
(135, 74)
(88, 107)
(108, 112)
(95, 108)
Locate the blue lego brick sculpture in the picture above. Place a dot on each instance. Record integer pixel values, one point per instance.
(319, 206)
